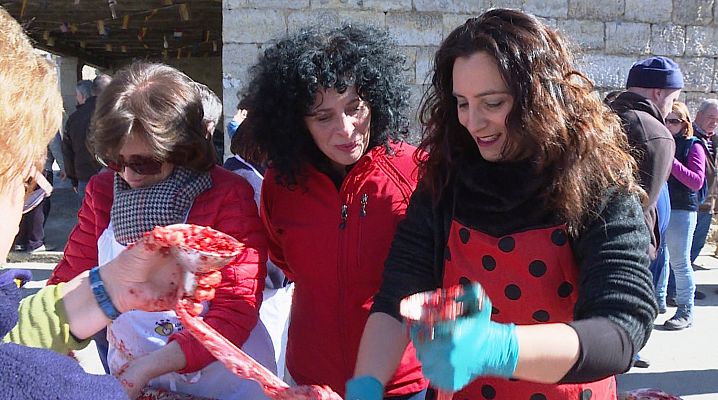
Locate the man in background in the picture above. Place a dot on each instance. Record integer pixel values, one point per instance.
(704, 128)
(652, 86)
(80, 165)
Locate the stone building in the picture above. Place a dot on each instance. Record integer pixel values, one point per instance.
(611, 34)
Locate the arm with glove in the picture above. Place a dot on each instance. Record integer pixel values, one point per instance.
(456, 352)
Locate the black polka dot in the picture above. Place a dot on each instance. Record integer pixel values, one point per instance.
(541, 316)
(488, 262)
(537, 268)
(565, 289)
(488, 392)
(513, 292)
(558, 237)
(447, 254)
(494, 310)
(537, 396)
(464, 235)
(586, 394)
(507, 244)
(464, 280)
(513, 380)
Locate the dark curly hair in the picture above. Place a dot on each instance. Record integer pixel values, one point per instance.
(286, 78)
(556, 120)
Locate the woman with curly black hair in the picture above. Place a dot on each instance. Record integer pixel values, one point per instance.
(528, 189)
(326, 110)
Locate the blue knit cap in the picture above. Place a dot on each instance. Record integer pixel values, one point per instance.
(655, 72)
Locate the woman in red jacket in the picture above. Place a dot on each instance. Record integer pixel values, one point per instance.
(148, 131)
(326, 108)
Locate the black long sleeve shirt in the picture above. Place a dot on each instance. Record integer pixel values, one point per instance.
(614, 313)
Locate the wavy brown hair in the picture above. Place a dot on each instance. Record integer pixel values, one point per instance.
(163, 106)
(556, 120)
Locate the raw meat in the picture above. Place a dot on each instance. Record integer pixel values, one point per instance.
(245, 366)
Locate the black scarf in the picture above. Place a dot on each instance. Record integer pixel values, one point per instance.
(500, 197)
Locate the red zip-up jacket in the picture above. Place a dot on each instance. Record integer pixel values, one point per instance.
(333, 245)
(228, 206)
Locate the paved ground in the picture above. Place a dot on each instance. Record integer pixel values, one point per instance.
(684, 363)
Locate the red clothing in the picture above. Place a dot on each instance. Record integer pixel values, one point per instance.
(333, 245)
(531, 278)
(227, 206)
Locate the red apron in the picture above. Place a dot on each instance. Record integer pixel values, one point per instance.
(530, 278)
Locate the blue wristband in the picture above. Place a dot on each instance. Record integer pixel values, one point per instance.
(98, 289)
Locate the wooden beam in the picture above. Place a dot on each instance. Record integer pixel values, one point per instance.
(86, 58)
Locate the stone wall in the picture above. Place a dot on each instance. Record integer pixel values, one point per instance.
(611, 34)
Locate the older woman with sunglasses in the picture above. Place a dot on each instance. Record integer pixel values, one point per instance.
(687, 187)
(148, 131)
(63, 316)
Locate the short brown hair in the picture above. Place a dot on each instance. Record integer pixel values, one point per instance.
(681, 110)
(30, 102)
(159, 103)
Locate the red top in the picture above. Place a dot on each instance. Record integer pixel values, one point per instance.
(531, 278)
(333, 244)
(228, 206)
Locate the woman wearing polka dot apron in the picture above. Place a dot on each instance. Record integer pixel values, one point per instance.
(529, 190)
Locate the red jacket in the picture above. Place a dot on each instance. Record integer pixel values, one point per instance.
(333, 244)
(227, 206)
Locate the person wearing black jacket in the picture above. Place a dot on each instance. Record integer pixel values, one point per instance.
(529, 190)
(80, 164)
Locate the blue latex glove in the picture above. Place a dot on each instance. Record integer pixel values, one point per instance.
(465, 349)
(364, 388)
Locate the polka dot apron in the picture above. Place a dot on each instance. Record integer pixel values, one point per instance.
(531, 279)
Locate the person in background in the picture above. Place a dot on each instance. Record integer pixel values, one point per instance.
(64, 316)
(233, 125)
(688, 188)
(148, 131)
(651, 87)
(326, 112)
(212, 113)
(528, 189)
(31, 235)
(704, 128)
(80, 164)
(248, 169)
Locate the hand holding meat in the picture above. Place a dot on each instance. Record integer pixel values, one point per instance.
(148, 277)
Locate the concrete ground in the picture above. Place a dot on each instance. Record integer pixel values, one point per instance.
(684, 363)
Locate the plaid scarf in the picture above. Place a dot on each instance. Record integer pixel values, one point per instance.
(136, 211)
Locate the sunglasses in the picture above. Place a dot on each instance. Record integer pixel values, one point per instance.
(140, 164)
(37, 188)
(673, 121)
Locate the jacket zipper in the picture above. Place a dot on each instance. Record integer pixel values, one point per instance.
(344, 215)
(364, 202)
